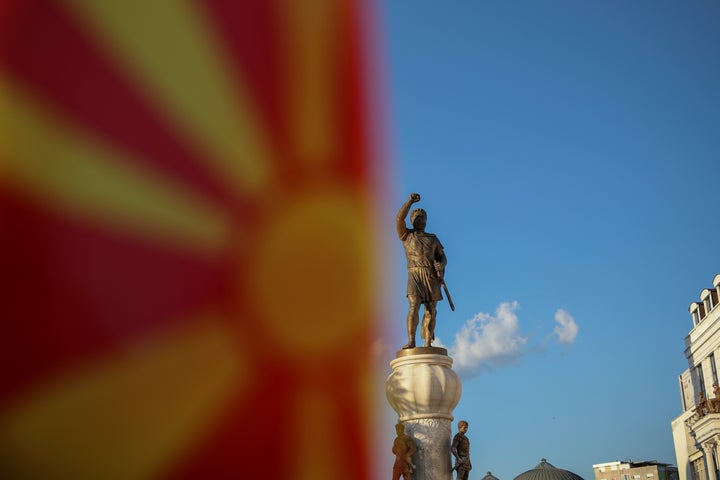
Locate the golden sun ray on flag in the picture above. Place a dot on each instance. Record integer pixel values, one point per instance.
(310, 80)
(318, 426)
(92, 181)
(129, 415)
(183, 69)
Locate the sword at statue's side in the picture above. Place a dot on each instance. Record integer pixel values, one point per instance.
(447, 294)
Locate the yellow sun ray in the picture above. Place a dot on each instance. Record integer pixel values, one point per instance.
(71, 172)
(170, 50)
(128, 416)
(311, 77)
(318, 426)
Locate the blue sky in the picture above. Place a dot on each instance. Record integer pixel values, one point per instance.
(568, 155)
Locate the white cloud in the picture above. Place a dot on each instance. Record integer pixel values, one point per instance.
(566, 329)
(487, 341)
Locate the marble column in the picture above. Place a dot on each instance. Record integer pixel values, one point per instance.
(708, 451)
(424, 390)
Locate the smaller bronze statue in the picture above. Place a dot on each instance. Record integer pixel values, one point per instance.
(713, 404)
(461, 451)
(702, 405)
(426, 268)
(404, 449)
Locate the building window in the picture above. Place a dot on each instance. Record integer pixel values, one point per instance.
(694, 309)
(649, 475)
(627, 477)
(701, 378)
(713, 368)
(708, 303)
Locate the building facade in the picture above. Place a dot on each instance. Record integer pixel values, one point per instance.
(696, 432)
(635, 471)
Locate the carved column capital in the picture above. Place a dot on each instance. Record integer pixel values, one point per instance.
(708, 451)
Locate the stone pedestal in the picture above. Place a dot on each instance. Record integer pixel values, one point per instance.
(423, 390)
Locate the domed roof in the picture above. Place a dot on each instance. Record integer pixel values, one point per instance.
(546, 471)
(490, 476)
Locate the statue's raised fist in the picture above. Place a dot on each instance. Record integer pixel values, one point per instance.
(414, 197)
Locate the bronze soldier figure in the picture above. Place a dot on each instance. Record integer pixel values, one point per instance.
(426, 267)
(403, 448)
(461, 450)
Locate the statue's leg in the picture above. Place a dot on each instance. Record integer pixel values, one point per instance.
(412, 320)
(425, 324)
(397, 472)
(428, 325)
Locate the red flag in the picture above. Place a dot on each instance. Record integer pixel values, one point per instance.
(185, 239)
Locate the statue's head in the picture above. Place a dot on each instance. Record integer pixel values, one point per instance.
(400, 428)
(463, 426)
(418, 218)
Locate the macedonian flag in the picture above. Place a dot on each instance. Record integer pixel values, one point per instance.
(185, 239)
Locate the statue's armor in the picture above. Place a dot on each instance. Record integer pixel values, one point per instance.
(421, 252)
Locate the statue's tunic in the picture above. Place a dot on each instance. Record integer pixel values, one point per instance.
(421, 251)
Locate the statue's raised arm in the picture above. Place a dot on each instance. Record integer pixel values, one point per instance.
(402, 214)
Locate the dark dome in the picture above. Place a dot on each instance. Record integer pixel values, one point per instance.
(490, 476)
(545, 471)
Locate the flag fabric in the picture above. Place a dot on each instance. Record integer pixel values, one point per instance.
(186, 245)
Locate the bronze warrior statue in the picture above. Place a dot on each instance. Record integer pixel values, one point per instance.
(404, 448)
(426, 267)
(461, 451)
